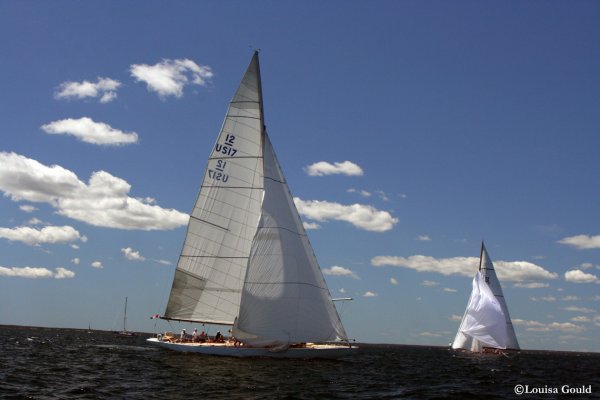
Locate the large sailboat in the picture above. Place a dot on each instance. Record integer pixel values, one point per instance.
(486, 324)
(246, 259)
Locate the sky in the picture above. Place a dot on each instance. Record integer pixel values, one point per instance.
(408, 131)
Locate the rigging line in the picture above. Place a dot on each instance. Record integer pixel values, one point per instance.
(209, 223)
(281, 227)
(286, 283)
(233, 187)
(236, 158)
(274, 180)
(243, 116)
(189, 256)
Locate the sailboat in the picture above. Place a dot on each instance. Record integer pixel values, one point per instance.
(125, 332)
(246, 260)
(486, 326)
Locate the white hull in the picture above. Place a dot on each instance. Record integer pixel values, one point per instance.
(327, 351)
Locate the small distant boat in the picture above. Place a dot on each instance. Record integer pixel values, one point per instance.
(486, 326)
(246, 259)
(125, 332)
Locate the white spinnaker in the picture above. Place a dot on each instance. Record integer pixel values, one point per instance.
(483, 323)
(285, 298)
(211, 268)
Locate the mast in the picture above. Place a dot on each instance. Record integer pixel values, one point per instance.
(125, 316)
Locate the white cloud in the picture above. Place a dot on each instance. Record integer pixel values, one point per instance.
(393, 281)
(340, 271)
(322, 168)
(582, 241)
(449, 290)
(513, 271)
(104, 201)
(423, 238)
(578, 276)
(27, 208)
(571, 298)
(163, 262)
(581, 318)
(531, 285)
(132, 255)
(90, 131)
(76, 261)
(456, 317)
(579, 309)
(427, 283)
(311, 225)
(429, 334)
(34, 273)
(369, 294)
(535, 326)
(544, 298)
(48, 234)
(63, 273)
(360, 215)
(169, 77)
(105, 88)
(97, 264)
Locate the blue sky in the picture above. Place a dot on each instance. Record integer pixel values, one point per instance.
(408, 132)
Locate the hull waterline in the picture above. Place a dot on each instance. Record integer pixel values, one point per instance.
(326, 351)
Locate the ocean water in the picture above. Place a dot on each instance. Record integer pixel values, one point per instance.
(45, 363)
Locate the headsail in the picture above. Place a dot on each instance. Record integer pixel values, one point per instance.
(483, 321)
(212, 265)
(285, 298)
(486, 321)
(489, 274)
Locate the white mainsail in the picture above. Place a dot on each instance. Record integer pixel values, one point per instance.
(486, 322)
(209, 275)
(246, 259)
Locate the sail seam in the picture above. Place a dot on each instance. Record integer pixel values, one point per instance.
(275, 180)
(189, 256)
(281, 227)
(210, 223)
(287, 283)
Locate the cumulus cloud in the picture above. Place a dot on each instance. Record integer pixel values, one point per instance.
(97, 265)
(427, 283)
(369, 294)
(48, 234)
(360, 215)
(535, 326)
(340, 271)
(323, 168)
(429, 334)
(531, 285)
(582, 241)
(103, 201)
(579, 309)
(424, 238)
(393, 281)
(105, 88)
(27, 208)
(578, 276)
(513, 271)
(311, 225)
(132, 255)
(36, 272)
(169, 77)
(449, 290)
(90, 131)
(456, 317)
